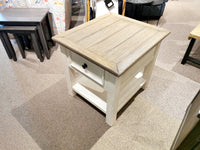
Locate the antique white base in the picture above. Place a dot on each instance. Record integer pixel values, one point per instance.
(106, 91)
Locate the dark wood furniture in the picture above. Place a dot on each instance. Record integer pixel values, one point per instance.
(17, 31)
(137, 7)
(29, 17)
(158, 3)
(8, 46)
(150, 12)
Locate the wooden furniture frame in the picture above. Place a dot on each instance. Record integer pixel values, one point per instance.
(109, 59)
(190, 120)
(17, 30)
(194, 35)
(29, 17)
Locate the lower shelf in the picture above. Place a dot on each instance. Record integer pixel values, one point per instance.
(92, 98)
(97, 96)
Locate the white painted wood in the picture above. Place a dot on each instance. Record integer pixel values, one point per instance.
(70, 74)
(112, 86)
(92, 98)
(92, 71)
(176, 142)
(93, 87)
(190, 120)
(129, 91)
(137, 67)
(120, 54)
(149, 68)
(119, 90)
(130, 81)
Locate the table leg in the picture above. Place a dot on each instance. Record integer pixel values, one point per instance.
(187, 53)
(20, 44)
(70, 74)
(50, 28)
(27, 41)
(149, 68)
(36, 46)
(43, 41)
(6, 47)
(9, 44)
(112, 86)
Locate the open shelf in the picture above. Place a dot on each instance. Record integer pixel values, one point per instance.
(92, 92)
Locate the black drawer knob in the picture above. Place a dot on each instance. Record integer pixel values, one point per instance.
(198, 114)
(84, 66)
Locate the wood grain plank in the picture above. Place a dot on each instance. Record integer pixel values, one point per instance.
(130, 45)
(103, 34)
(80, 27)
(92, 28)
(141, 51)
(103, 47)
(114, 51)
(133, 21)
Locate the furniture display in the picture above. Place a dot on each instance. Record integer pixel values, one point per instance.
(158, 3)
(187, 138)
(17, 30)
(193, 36)
(138, 7)
(29, 17)
(109, 59)
(149, 11)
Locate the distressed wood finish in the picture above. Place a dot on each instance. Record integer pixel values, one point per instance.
(120, 54)
(112, 41)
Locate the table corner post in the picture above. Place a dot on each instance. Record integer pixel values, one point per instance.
(70, 77)
(112, 86)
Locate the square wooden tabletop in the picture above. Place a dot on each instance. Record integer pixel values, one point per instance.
(22, 14)
(112, 41)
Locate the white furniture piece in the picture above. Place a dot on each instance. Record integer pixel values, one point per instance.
(109, 59)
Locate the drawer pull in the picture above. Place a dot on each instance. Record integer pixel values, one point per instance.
(84, 66)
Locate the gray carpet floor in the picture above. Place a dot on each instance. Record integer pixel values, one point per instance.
(37, 113)
(58, 121)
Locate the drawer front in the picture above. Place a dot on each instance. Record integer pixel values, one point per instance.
(87, 68)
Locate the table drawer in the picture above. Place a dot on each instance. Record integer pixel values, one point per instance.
(87, 68)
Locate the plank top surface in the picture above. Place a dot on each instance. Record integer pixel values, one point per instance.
(22, 14)
(195, 33)
(112, 41)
